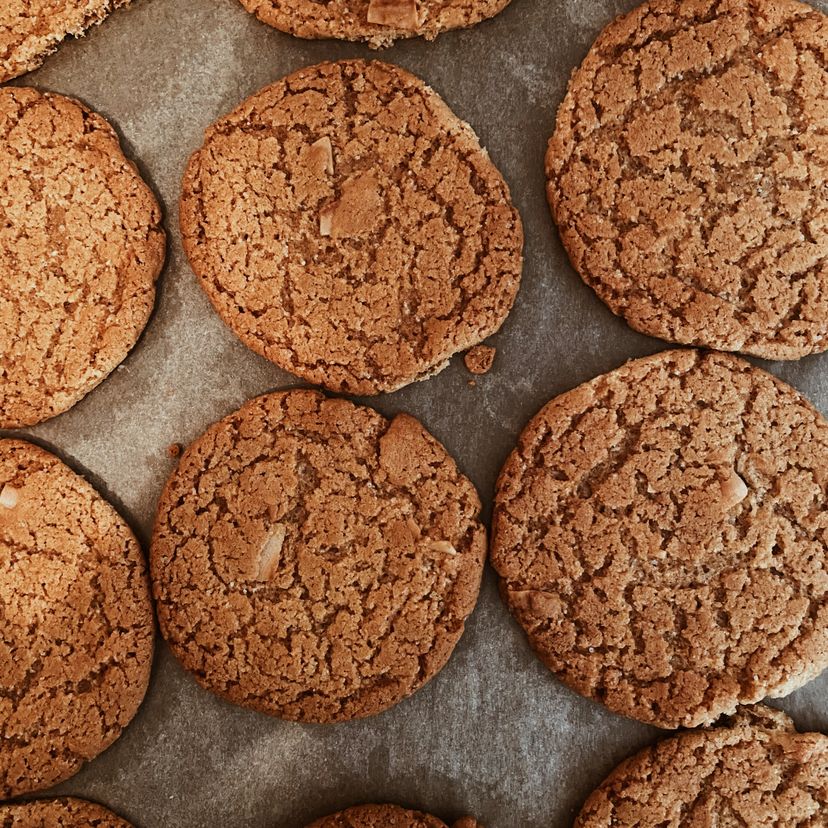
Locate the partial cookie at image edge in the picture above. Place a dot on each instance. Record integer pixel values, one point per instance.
(755, 766)
(685, 174)
(78, 624)
(93, 258)
(65, 812)
(379, 22)
(387, 816)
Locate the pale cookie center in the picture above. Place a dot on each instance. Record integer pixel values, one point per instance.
(400, 14)
(270, 553)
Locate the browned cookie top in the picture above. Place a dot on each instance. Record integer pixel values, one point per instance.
(59, 813)
(32, 29)
(660, 533)
(81, 246)
(387, 816)
(347, 226)
(380, 22)
(687, 173)
(755, 771)
(313, 560)
(76, 623)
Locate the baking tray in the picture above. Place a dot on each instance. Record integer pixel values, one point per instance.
(494, 734)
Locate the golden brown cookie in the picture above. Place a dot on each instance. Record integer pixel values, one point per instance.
(756, 770)
(76, 621)
(380, 22)
(387, 816)
(661, 533)
(347, 226)
(59, 813)
(30, 30)
(687, 173)
(81, 246)
(313, 560)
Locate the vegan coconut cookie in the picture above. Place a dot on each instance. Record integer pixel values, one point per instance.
(687, 174)
(59, 813)
(81, 246)
(30, 30)
(387, 816)
(380, 22)
(76, 622)
(314, 561)
(753, 770)
(348, 227)
(660, 534)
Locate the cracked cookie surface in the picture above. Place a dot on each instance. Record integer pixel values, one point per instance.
(380, 22)
(660, 534)
(348, 227)
(313, 560)
(30, 30)
(755, 770)
(76, 621)
(81, 246)
(59, 813)
(387, 816)
(687, 173)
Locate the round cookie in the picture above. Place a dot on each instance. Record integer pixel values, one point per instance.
(30, 30)
(754, 770)
(59, 813)
(313, 560)
(348, 227)
(76, 621)
(687, 174)
(387, 816)
(380, 22)
(81, 246)
(660, 534)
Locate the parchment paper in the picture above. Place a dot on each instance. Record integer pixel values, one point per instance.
(494, 735)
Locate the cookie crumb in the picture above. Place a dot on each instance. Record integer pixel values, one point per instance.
(174, 450)
(480, 359)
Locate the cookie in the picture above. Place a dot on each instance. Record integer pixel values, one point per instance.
(661, 533)
(30, 30)
(755, 770)
(81, 246)
(59, 813)
(380, 22)
(348, 227)
(387, 816)
(687, 174)
(314, 561)
(76, 621)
